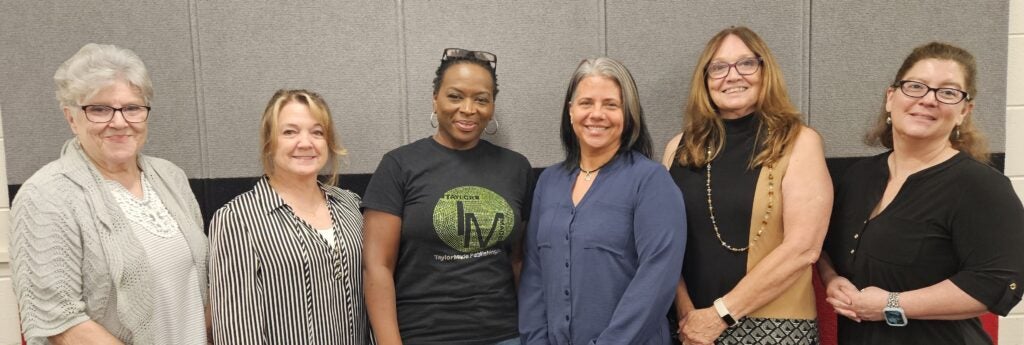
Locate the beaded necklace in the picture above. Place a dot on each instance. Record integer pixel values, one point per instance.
(767, 212)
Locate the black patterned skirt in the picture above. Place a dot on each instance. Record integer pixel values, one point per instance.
(763, 331)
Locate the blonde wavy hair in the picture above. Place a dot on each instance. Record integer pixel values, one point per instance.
(321, 113)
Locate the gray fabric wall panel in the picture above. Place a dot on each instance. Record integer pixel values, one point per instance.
(660, 43)
(346, 51)
(858, 46)
(538, 44)
(215, 64)
(37, 36)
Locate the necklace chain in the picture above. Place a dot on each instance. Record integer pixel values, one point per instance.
(764, 220)
(588, 175)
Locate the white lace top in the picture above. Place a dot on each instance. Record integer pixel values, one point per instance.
(175, 284)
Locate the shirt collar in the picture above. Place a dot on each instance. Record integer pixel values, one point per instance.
(272, 201)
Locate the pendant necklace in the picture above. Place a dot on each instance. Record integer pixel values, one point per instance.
(588, 174)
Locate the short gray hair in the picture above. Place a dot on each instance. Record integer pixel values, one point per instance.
(94, 67)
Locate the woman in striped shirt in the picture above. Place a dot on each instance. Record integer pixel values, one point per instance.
(286, 256)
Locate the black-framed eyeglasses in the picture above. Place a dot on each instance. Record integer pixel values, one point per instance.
(945, 95)
(102, 113)
(746, 66)
(460, 53)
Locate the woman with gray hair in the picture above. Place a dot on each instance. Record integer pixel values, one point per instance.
(607, 213)
(107, 244)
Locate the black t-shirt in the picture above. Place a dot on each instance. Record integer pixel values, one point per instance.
(461, 213)
(957, 220)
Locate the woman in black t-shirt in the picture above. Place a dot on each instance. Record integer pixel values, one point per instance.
(926, 237)
(443, 217)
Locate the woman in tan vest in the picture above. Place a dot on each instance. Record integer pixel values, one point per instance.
(758, 197)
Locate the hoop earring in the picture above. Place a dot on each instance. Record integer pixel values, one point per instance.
(496, 127)
(888, 120)
(433, 119)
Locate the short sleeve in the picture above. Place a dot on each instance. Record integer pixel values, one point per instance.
(531, 182)
(386, 190)
(988, 234)
(46, 263)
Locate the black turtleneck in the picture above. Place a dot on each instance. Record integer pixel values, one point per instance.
(710, 269)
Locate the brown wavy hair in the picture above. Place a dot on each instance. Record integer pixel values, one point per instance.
(970, 140)
(321, 113)
(702, 127)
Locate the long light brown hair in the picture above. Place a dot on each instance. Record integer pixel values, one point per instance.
(321, 113)
(702, 126)
(970, 139)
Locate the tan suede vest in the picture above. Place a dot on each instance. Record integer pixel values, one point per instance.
(796, 302)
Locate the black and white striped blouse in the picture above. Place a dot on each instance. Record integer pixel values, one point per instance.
(275, 280)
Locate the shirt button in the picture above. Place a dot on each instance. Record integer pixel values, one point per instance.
(1013, 286)
(567, 292)
(566, 237)
(865, 221)
(855, 236)
(566, 317)
(852, 250)
(566, 264)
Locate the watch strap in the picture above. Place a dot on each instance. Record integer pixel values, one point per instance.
(894, 300)
(723, 312)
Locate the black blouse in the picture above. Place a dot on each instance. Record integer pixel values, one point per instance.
(958, 220)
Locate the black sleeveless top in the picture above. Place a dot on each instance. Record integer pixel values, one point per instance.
(710, 269)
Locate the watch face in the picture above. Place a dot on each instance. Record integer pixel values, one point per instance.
(894, 317)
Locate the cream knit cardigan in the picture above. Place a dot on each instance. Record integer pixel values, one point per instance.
(74, 255)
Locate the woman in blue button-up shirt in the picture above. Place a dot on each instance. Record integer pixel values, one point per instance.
(605, 243)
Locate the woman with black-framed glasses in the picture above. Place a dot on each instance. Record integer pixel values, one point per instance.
(107, 244)
(758, 196)
(925, 237)
(443, 219)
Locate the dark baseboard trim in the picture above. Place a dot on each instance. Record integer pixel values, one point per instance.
(212, 193)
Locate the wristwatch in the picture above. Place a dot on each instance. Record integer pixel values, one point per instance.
(893, 313)
(724, 312)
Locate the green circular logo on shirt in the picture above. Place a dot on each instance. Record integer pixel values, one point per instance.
(471, 218)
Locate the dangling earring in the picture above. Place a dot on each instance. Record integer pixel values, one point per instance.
(956, 133)
(888, 120)
(496, 126)
(570, 118)
(433, 120)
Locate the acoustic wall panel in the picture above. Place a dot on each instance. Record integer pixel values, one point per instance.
(347, 51)
(660, 43)
(538, 44)
(37, 36)
(857, 47)
(215, 64)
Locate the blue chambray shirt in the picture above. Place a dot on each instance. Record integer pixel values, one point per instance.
(604, 271)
